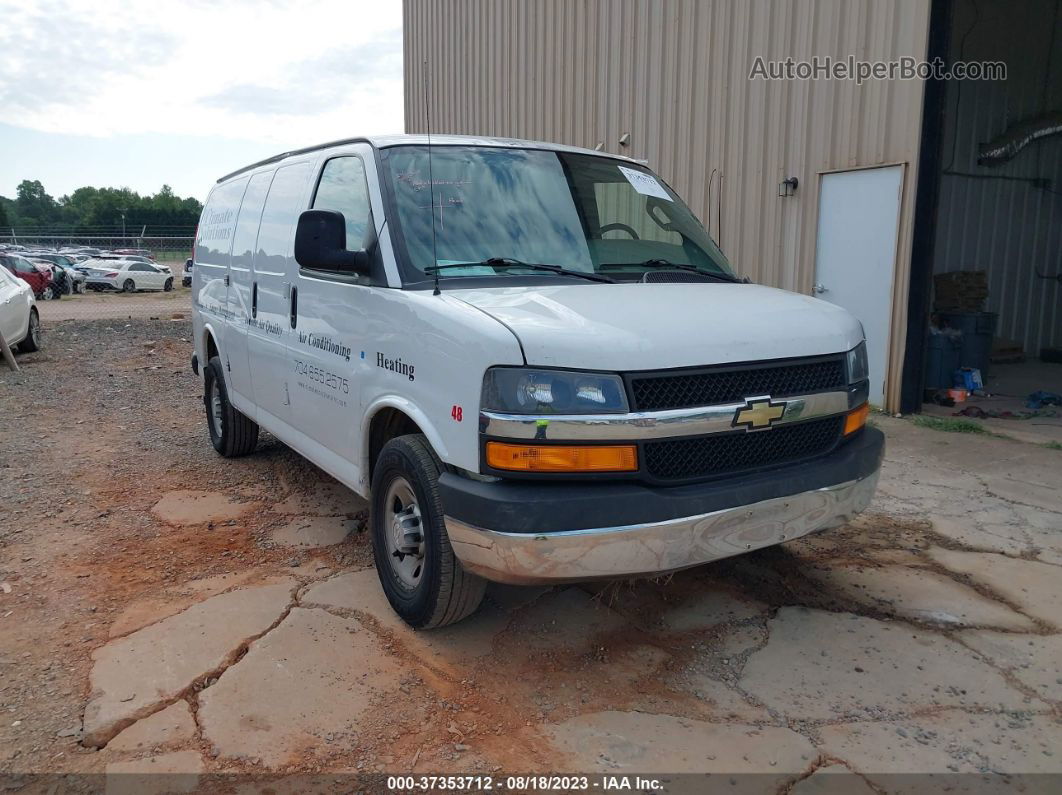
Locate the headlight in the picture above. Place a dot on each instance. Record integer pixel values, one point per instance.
(858, 370)
(858, 373)
(516, 390)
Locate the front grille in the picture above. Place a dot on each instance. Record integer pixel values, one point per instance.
(731, 453)
(690, 388)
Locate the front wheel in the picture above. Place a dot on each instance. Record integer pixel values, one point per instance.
(128, 286)
(48, 293)
(421, 577)
(168, 285)
(232, 433)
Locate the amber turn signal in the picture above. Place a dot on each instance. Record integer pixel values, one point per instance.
(556, 458)
(856, 419)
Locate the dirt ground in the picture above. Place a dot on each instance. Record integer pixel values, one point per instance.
(164, 609)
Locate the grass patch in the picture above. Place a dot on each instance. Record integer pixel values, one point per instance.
(1053, 445)
(948, 424)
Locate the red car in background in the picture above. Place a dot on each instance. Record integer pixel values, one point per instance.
(38, 278)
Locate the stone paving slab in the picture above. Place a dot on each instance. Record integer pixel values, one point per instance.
(199, 507)
(824, 666)
(832, 780)
(173, 600)
(1031, 585)
(949, 741)
(324, 498)
(308, 532)
(710, 608)
(636, 742)
(171, 725)
(1035, 660)
(566, 619)
(133, 676)
(918, 594)
(301, 689)
(166, 773)
(453, 646)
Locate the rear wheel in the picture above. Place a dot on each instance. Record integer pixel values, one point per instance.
(128, 286)
(231, 432)
(421, 577)
(33, 335)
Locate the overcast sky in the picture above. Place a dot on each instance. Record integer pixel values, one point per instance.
(139, 93)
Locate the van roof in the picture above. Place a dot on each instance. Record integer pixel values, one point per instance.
(384, 141)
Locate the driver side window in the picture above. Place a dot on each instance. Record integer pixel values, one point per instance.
(343, 188)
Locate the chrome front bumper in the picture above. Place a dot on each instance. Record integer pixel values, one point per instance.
(654, 548)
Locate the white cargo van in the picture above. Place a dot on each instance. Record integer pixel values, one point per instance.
(531, 359)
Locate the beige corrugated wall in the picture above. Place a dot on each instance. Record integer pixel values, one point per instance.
(674, 74)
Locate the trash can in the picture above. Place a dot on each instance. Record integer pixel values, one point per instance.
(942, 359)
(978, 330)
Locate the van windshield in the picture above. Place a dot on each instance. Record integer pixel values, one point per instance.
(572, 211)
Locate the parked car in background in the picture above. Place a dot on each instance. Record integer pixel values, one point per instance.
(19, 322)
(186, 280)
(128, 276)
(38, 278)
(75, 281)
(139, 252)
(57, 274)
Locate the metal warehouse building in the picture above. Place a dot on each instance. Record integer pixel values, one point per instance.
(859, 192)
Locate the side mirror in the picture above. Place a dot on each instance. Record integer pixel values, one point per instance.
(321, 243)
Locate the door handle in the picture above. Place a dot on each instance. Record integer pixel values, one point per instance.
(819, 288)
(254, 299)
(294, 305)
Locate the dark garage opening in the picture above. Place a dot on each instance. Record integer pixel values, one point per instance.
(986, 280)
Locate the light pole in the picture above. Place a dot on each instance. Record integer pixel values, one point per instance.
(122, 211)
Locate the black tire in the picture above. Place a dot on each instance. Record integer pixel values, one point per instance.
(237, 434)
(32, 343)
(167, 286)
(445, 593)
(128, 286)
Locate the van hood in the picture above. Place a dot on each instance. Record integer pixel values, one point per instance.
(654, 326)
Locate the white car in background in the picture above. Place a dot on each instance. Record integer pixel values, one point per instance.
(127, 276)
(18, 313)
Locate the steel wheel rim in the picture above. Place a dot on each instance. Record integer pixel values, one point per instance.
(215, 408)
(404, 532)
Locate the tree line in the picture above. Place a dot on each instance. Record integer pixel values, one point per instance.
(97, 210)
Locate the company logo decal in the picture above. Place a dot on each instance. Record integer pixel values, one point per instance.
(395, 366)
(325, 344)
(758, 413)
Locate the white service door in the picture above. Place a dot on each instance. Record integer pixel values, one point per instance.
(855, 258)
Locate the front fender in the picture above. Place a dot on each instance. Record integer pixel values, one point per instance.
(412, 411)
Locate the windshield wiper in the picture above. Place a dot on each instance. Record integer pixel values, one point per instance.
(669, 265)
(508, 262)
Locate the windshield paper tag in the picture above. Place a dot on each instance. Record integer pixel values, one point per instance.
(645, 184)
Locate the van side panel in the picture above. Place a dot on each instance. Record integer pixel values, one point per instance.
(241, 296)
(273, 269)
(213, 247)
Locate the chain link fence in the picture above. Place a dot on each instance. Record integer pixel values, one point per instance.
(161, 296)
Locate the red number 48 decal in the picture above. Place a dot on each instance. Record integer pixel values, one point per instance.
(457, 413)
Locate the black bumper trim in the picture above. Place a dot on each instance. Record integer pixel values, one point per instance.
(541, 507)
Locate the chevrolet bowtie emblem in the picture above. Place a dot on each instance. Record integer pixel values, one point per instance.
(758, 413)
